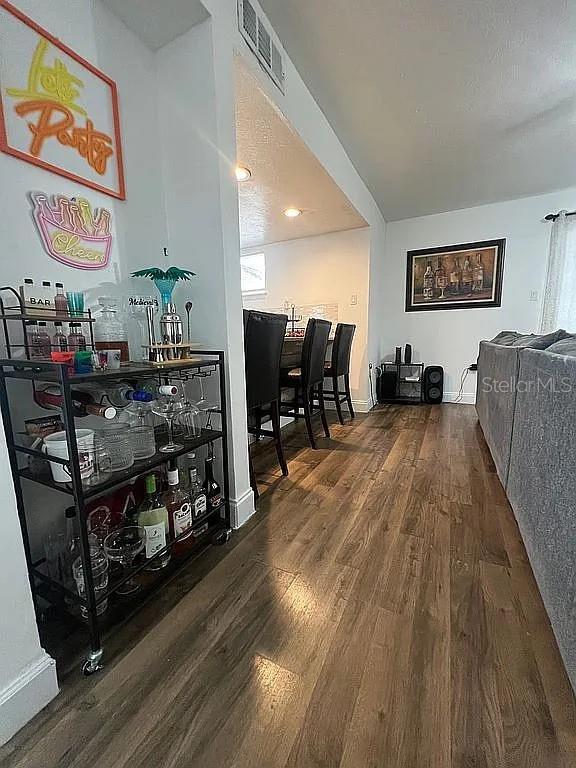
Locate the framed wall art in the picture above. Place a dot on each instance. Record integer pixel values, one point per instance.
(455, 276)
(57, 111)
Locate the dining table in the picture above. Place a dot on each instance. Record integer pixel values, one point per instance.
(292, 351)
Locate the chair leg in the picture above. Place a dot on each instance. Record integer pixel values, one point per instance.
(323, 409)
(275, 414)
(348, 395)
(308, 416)
(337, 399)
(253, 483)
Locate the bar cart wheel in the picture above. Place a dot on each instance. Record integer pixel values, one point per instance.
(221, 536)
(92, 663)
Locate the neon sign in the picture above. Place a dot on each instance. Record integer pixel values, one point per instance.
(59, 111)
(71, 231)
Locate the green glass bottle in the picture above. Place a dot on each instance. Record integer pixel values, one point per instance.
(153, 517)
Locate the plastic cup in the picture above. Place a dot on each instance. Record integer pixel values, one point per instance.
(75, 301)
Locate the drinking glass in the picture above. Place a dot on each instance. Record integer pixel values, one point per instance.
(188, 422)
(123, 546)
(102, 461)
(75, 303)
(99, 564)
(115, 438)
(137, 309)
(169, 407)
(143, 441)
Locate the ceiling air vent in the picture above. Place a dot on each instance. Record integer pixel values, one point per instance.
(259, 41)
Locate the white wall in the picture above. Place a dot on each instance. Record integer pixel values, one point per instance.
(324, 269)
(450, 337)
(27, 676)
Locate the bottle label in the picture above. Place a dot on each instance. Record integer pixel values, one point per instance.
(155, 539)
(182, 518)
(200, 505)
(215, 501)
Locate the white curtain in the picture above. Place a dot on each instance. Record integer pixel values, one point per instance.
(559, 305)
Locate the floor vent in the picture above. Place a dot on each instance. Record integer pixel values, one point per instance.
(260, 42)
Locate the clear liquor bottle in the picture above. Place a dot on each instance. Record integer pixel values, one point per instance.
(197, 493)
(153, 517)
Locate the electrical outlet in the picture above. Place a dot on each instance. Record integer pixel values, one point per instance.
(354, 299)
(533, 295)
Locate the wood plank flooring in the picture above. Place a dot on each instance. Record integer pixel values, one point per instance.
(379, 611)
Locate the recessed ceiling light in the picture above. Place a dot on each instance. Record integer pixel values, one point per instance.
(292, 213)
(242, 173)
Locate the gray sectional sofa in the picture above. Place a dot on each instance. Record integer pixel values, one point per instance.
(526, 404)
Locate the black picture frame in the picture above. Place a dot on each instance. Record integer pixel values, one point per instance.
(449, 301)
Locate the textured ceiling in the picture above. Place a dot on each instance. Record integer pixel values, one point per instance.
(442, 104)
(158, 23)
(284, 174)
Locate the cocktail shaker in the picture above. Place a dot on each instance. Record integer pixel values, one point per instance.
(171, 330)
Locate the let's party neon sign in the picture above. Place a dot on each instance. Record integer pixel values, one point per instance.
(57, 110)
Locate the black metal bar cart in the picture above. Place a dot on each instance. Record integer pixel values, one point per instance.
(28, 465)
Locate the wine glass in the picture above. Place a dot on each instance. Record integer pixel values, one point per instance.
(169, 407)
(204, 404)
(189, 420)
(123, 546)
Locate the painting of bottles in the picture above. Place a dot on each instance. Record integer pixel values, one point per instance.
(461, 276)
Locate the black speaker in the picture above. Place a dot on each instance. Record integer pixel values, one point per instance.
(433, 384)
(386, 386)
(408, 354)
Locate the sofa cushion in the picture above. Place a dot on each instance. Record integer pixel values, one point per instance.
(505, 338)
(533, 341)
(566, 346)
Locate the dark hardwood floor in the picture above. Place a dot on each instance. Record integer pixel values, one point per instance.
(379, 611)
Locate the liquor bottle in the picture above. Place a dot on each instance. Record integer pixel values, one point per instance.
(478, 272)
(211, 487)
(467, 277)
(198, 498)
(123, 393)
(60, 301)
(38, 341)
(177, 502)
(47, 297)
(440, 279)
(59, 340)
(76, 339)
(455, 278)
(153, 517)
(428, 283)
(84, 405)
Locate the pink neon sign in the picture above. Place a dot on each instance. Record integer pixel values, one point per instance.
(71, 231)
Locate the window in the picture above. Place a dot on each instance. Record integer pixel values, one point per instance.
(253, 276)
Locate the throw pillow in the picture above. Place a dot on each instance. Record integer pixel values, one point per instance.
(565, 346)
(533, 341)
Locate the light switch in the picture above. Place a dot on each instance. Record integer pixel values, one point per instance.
(533, 295)
(354, 299)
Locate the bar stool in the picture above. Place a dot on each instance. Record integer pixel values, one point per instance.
(308, 379)
(263, 339)
(338, 366)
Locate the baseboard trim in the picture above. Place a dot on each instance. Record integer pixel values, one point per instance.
(467, 398)
(362, 406)
(242, 509)
(25, 696)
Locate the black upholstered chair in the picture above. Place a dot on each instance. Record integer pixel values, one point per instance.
(308, 380)
(263, 339)
(339, 366)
